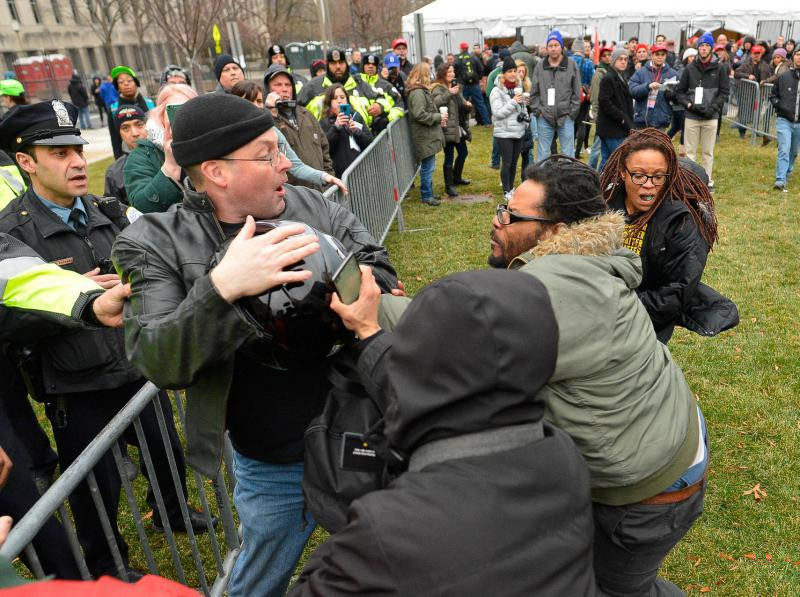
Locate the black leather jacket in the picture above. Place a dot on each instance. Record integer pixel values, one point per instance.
(786, 95)
(179, 332)
(81, 360)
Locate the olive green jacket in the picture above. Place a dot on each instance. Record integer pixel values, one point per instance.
(616, 389)
(426, 123)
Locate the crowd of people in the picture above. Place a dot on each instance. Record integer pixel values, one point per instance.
(563, 410)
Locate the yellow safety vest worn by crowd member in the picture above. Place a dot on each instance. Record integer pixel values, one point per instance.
(12, 185)
(382, 90)
(36, 294)
(313, 94)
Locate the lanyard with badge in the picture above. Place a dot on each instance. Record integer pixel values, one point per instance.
(653, 95)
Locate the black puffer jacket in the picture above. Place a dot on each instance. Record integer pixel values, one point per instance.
(716, 88)
(614, 106)
(512, 520)
(674, 255)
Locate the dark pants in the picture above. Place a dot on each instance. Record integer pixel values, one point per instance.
(101, 109)
(450, 151)
(19, 495)
(631, 542)
(116, 139)
(509, 154)
(472, 93)
(582, 129)
(678, 118)
(77, 419)
(495, 154)
(41, 459)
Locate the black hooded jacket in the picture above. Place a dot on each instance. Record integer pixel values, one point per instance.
(463, 363)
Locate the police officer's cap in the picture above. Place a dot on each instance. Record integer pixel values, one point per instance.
(275, 49)
(335, 55)
(372, 59)
(44, 123)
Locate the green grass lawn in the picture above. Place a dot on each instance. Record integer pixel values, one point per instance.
(747, 380)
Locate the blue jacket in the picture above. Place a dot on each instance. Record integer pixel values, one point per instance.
(661, 114)
(108, 93)
(585, 67)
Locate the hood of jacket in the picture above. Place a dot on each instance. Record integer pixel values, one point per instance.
(465, 359)
(518, 46)
(600, 236)
(273, 71)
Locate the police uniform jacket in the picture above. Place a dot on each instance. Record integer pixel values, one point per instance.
(83, 360)
(180, 332)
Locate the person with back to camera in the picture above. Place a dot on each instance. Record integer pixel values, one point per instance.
(672, 226)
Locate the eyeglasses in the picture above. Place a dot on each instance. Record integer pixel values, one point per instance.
(506, 217)
(639, 178)
(272, 160)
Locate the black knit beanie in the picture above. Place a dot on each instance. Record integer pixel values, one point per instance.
(211, 126)
(222, 61)
(509, 64)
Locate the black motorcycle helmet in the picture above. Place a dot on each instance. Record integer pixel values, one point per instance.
(293, 322)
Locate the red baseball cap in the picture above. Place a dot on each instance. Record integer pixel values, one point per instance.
(463, 45)
(662, 47)
(399, 41)
(757, 50)
(605, 49)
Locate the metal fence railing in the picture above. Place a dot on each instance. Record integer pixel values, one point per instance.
(211, 568)
(379, 179)
(749, 108)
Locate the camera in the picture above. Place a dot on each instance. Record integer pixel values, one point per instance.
(286, 104)
(523, 117)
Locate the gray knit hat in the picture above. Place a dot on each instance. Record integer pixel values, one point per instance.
(616, 54)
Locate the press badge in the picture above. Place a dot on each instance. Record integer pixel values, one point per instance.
(698, 95)
(358, 454)
(551, 96)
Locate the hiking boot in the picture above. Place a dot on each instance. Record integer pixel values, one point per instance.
(432, 202)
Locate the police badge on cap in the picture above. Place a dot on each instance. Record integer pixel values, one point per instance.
(276, 50)
(44, 123)
(371, 59)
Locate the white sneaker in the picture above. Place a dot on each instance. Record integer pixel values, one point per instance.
(508, 196)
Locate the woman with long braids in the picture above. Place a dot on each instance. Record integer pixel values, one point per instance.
(672, 226)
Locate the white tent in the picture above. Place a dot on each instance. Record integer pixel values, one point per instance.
(447, 23)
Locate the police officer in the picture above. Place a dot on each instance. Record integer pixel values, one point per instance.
(338, 71)
(277, 55)
(391, 72)
(386, 104)
(469, 71)
(37, 298)
(83, 377)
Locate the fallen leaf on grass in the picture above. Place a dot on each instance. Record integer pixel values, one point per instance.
(768, 557)
(757, 492)
(750, 556)
(705, 589)
(148, 516)
(726, 556)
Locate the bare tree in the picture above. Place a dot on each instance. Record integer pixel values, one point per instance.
(141, 25)
(271, 21)
(103, 18)
(187, 24)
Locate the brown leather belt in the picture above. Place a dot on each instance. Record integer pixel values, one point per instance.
(673, 497)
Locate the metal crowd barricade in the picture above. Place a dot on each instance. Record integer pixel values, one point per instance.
(765, 126)
(54, 500)
(743, 106)
(379, 179)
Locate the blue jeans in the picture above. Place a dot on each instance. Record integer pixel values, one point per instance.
(426, 177)
(275, 528)
(788, 148)
(472, 93)
(566, 138)
(83, 118)
(607, 147)
(594, 153)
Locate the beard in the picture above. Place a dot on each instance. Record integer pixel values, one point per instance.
(335, 79)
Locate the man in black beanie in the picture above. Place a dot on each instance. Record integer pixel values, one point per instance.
(230, 150)
(228, 73)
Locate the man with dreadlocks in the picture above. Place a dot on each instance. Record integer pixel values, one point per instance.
(615, 388)
(672, 226)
